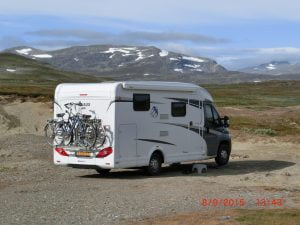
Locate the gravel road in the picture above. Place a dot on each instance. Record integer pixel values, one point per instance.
(34, 191)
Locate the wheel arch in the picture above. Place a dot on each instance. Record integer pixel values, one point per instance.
(157, 150)
(227, 142)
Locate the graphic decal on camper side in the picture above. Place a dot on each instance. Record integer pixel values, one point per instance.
(191, 128)
(155, 141)
(154, 112)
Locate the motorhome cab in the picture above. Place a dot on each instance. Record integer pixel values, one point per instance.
(146, 124)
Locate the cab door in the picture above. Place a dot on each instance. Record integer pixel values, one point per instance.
(210, 133)
(195, 121)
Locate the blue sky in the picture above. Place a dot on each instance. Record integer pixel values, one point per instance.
(236, 33)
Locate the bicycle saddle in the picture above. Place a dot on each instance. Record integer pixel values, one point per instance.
(60, 114)
(84, 116)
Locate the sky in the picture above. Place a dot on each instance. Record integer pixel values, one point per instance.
(235, 33)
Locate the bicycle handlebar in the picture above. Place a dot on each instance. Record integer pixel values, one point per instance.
(70, 104)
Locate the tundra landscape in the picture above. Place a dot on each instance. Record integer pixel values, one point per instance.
(246, 54)
(260, 184)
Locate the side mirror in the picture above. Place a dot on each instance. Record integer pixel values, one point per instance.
(226, 121)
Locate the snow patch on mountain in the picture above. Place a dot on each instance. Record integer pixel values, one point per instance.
(10, 70)
(178, 70)
(140, 56)
(163, 53)
(271, 66)
(44, 56)
(194, 59)
(192, 66)
(24, 51)
(123, 50)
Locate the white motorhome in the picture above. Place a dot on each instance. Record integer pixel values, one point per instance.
(147, 123)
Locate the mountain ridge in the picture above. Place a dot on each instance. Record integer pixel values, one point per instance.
(108, 59)
(273, 68)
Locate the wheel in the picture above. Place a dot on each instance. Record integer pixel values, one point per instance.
(53, 134)
(86, 134)
(101, 136)
(155, 162)
(67, 134)
(223, 154)
(103, 172)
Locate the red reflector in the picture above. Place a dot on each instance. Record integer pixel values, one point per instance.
(61, 151)
(104, 152)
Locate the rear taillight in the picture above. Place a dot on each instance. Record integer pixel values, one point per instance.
(104, 152)
(61, 151)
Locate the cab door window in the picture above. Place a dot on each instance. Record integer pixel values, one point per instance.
(208, 114)
(216, 116)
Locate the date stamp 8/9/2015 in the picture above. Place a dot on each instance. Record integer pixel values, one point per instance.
(240, 202)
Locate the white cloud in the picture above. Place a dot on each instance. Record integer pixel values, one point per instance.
(129, 36)
(281, 50)
(167, 11)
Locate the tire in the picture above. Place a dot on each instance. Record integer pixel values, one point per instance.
(53, 134)
(223, 155)
(103, 172)
(154, 167)
(86, 135)
(68, 133)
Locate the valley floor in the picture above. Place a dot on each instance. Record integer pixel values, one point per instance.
(263, 173)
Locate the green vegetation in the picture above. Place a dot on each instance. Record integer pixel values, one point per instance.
(260, 131)
(4, 168)
(281, 124)
(257, 95)
(37, 80)
(12, 121)
(33, 78)
(271, 216)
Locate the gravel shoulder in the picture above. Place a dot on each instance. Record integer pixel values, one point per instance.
(34, 191)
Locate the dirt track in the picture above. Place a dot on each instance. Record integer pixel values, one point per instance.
(34, 191)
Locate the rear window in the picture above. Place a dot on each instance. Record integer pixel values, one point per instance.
(178, 109)
(141, 102)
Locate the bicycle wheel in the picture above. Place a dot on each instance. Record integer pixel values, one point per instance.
(101, 136)
(53, 134)
(86, 134)
(67, 133)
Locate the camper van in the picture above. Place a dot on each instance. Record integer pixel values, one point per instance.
(146, 123)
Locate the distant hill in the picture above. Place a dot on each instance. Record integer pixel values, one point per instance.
(274, 68)
(112, 60)
(107, 62)
(18, 69)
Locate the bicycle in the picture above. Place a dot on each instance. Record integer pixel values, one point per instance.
(74, 129)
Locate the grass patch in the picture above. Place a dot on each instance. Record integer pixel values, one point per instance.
(257, 95)
(10, 120)
(269, 217)
(4, 169)
(260, 124)
(236, 217)
(260, 131)
(35, 79)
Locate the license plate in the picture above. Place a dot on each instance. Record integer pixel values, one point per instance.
(83, 154)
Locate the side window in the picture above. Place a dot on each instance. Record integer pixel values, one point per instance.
(178, 109)
(209, 118)
(216, 116)
(141, 102)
